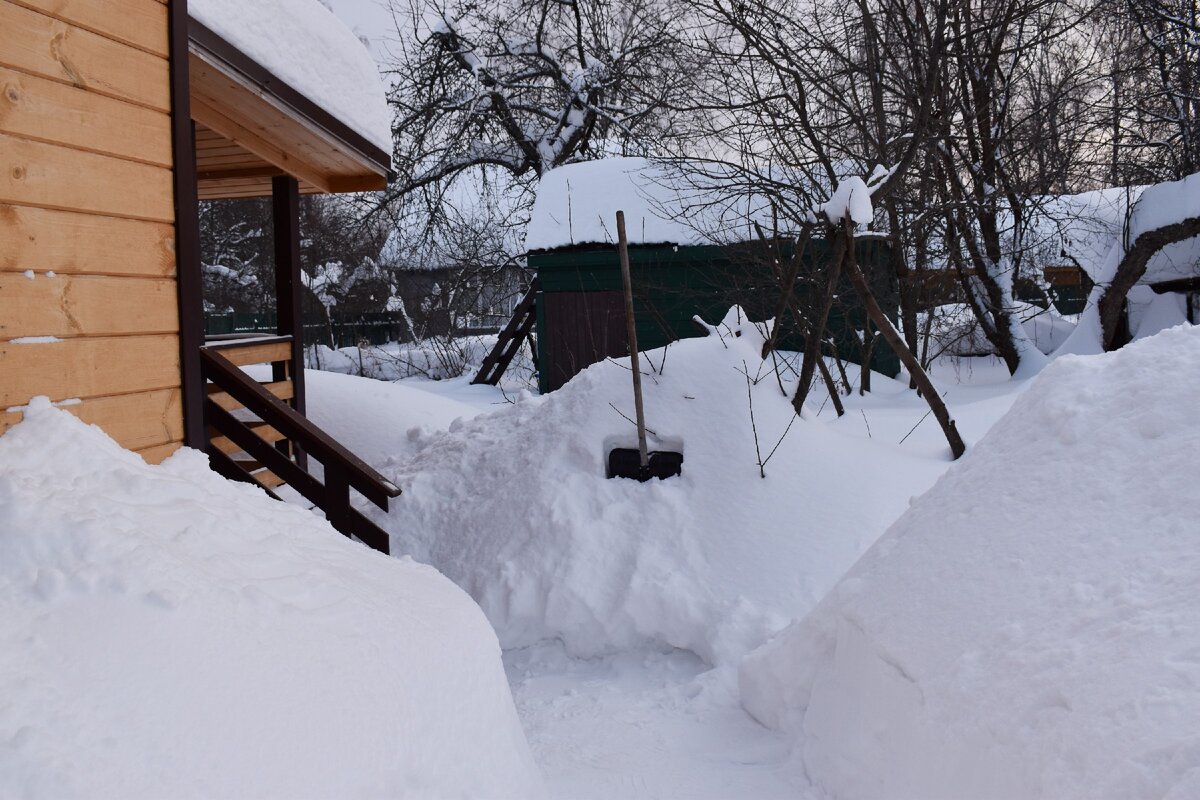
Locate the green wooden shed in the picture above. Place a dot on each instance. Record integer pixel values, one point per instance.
(694, 250)
(581, 312)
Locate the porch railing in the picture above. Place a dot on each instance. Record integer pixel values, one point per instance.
(252, 418)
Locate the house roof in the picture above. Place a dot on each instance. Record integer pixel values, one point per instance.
(281, 87)
(1091, 229)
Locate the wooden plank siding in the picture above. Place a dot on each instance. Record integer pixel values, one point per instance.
(59, 50)
(46, 240)
(49, 176)
(139, 419)
(43, 110)
(87, 367)
(87, 209)
(86, 305)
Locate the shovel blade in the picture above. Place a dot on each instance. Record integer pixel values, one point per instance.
(627, 463)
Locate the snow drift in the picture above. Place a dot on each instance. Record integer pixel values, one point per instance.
(166, 633)
(713, 561)
(1028, 628)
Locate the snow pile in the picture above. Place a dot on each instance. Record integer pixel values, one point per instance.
(713, 561)
(1028, 629)
(578, 203)
(166, 633)
(303, 44)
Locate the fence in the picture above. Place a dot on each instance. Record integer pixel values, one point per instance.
(348, 330)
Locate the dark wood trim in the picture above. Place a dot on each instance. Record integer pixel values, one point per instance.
(289, 316)
(211, 43)
(188, 276)
(1177, 285)
(333, 497)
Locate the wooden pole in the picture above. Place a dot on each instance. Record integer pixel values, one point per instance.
(289, 317)
(631, 333)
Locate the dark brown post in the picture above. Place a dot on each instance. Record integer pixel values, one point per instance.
(285, 207)
(289, 318)
(189, 283)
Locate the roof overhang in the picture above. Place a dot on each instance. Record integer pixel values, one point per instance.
(251, 127)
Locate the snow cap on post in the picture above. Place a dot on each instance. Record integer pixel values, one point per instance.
(851, 197)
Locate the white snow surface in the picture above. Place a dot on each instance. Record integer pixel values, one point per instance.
(1028, 628)
(303, 44)
(578, 203)
(167, 633)
(713, 561)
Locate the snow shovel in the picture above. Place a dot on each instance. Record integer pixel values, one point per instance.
(639, 464)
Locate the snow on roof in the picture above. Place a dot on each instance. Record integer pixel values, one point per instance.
(1085, 228)
(577, 204)
(304, 45)
(1079, 229)
(1042, 644)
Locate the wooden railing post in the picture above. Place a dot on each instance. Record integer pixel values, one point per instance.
(337, 502)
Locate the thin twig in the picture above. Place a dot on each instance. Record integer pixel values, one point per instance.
(627, 419)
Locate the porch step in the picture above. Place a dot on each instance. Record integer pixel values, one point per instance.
(228, 446)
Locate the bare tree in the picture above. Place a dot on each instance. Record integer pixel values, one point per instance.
(1168, 99)
(526, 85)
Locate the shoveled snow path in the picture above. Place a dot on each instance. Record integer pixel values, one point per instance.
(644, 725)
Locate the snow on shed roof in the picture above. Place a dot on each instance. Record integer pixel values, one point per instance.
(1080, 228)
(304, 45)
(1093, 228)
(577, 204)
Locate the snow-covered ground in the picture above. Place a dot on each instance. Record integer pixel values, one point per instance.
(1028, 629)
(623, 700)
(1023, 630)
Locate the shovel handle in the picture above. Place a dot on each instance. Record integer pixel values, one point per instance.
(631, 334)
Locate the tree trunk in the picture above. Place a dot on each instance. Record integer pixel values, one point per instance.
(1132, 268)
(816, 331)
(896, 342)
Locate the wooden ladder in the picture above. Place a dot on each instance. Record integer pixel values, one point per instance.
(518, 330)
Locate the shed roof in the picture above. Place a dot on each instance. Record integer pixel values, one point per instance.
(1092, 228)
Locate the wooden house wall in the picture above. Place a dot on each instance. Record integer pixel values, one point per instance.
(87, 210)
